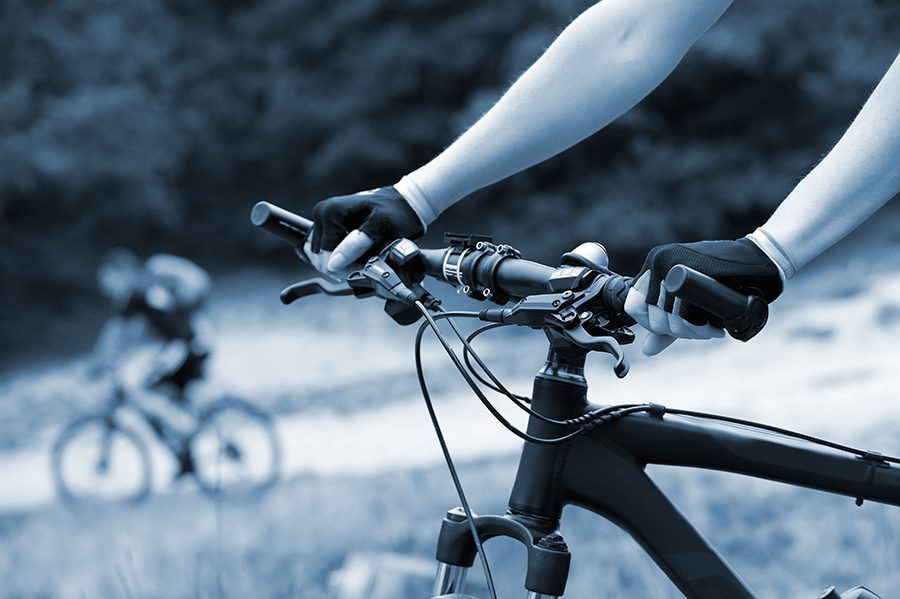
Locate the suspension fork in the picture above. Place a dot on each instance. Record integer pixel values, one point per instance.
(535, 506)
(548, 557)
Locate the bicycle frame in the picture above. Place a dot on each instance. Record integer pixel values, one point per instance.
(603, 471)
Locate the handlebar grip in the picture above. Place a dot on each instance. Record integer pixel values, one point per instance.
(743, 316)
(520, 278)
(288, 226)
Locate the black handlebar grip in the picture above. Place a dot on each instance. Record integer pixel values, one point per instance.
(288, 226)
(520, 278)
(743, 316)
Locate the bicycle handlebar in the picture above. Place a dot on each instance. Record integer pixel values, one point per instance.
(290, 227)
(500, 275)
(514, 278)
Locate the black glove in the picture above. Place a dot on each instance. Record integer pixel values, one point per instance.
(382, 214)
(738, 264)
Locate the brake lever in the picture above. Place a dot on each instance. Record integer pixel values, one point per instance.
(580, 337)
(311, 287)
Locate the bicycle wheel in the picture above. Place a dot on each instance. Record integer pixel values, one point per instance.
(95, 459)
(235, 450)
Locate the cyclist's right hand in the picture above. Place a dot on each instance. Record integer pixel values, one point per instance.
(738, 264)
(346, 228)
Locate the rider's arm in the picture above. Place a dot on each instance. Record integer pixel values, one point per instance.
(127, 327)
(859, 175)
(601, 65)
(119, 333)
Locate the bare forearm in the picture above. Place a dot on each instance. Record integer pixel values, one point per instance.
(600, 66)
(858, 176)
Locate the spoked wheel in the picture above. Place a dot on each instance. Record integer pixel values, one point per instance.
(235, 450)
(95, 459)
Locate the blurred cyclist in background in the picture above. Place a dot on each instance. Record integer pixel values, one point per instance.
(601, 65)
(158, 330)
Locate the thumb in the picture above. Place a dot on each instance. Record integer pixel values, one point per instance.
(354, 245)
(653, 344)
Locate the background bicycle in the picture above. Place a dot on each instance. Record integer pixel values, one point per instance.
(231, 449)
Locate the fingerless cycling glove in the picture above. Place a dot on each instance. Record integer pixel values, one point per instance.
(382, 214)
(738, 264)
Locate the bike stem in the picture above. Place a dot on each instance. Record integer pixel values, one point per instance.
(559, 393)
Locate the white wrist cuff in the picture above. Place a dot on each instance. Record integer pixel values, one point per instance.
(413, 195)
(771, 248)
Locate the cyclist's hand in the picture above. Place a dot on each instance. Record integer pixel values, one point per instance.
(346, 228)
(739, 264)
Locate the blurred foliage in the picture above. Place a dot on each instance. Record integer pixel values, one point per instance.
(157, 123)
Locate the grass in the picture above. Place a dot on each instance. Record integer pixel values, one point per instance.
(784, 541)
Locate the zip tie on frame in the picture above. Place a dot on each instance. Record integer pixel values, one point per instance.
(875, 460)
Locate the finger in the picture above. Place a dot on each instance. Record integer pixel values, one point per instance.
(659, 320)
(636, 301)
(318, 260)
(354, 245)
(332, 220)
(654, 344)
(705, 331)
(678, 326)
(322, 259)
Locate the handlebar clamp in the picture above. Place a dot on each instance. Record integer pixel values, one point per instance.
(475, 258)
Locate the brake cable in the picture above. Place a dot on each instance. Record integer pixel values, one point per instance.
(608, 414)
(781, 431)
(420, 373)
(431, 322)
(467, 358)
(600, 414)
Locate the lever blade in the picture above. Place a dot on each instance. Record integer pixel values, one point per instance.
(608, 345)
(311, 287)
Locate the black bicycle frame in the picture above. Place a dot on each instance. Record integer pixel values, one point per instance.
(603, 471)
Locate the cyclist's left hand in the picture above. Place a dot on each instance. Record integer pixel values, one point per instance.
(738, 264)
(346, 228)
